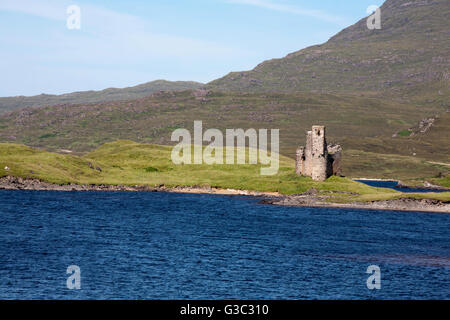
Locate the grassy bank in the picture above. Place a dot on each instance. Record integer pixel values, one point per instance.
(130, 163)
(409, 169)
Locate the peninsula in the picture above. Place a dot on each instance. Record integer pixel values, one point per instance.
(130, 166)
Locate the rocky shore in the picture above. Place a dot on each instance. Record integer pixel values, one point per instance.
(312, 198)
(17, 183)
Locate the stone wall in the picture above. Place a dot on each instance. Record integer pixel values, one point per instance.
(334, 160)
(300, 163)
(308, 154)
(319, 154)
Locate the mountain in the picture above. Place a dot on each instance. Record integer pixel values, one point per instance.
(409, 57)
(371, 89)
(111, 94)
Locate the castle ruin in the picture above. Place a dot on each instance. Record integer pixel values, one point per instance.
(318, 160)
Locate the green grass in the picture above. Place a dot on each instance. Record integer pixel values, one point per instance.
(445, 182)
(404, 133)
(131, 163)
(411, 170)
(48, 135)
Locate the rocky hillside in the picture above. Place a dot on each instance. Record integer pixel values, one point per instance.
(111, 94)
(409, 56)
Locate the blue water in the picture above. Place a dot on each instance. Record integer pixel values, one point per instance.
(187, 246)
(393, 185)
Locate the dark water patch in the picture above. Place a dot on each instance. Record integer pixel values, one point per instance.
(394, 185)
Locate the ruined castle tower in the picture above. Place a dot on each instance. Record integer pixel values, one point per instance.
(319, 154)
(317, 159)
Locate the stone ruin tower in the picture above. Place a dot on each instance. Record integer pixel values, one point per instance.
(318, 160)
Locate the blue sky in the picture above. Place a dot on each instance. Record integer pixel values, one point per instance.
(125, 43)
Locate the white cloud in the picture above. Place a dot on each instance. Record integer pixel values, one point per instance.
(281, 7)
(114, 34)
(112, 49)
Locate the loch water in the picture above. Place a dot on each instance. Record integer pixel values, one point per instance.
(392, 184)
(189, 246)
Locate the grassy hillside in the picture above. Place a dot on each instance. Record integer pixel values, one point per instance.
(411, 170)
(111, 94)
(362, 125)
(418, 141)
(408, 58)
(130, 163)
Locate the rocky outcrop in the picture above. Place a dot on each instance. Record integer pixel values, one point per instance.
(201, 94)
(423, 126)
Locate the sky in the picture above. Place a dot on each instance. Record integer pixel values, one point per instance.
(122, 43)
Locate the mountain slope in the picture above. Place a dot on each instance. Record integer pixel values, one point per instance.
(111, 94)
(409, 55)
(363, 126)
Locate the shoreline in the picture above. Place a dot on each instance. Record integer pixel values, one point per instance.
(16, 183)
(403, 204)
(401, 185)
(307, 199)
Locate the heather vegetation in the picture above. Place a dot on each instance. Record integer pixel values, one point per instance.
(363, 126)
